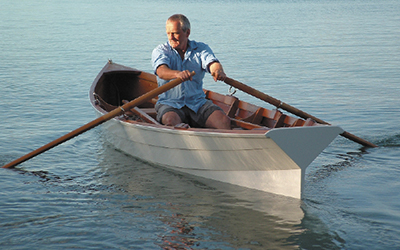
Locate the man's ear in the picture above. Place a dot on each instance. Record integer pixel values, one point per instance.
(188, 32)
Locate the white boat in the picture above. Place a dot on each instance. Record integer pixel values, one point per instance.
(266, 149)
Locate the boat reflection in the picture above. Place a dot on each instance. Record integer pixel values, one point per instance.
(204, 214)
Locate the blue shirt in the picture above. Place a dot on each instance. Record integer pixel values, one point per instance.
(197, 58)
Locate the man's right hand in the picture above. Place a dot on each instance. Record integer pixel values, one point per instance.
(184, 75)
(164, 72)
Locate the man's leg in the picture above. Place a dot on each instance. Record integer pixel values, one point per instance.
(171, 119)
(168, 115)
(218, 119)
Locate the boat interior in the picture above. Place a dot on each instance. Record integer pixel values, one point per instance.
(114, 88)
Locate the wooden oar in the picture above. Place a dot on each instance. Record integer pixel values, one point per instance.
(279, 104)
(98, 121)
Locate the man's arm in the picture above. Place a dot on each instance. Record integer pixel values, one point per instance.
(165, 73)
(217, 71)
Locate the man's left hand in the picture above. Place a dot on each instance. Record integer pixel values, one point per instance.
(219, 75)
(217, 71)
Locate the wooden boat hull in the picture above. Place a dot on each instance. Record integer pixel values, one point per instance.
(273, 160)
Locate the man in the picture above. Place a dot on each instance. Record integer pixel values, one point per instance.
(186, 103)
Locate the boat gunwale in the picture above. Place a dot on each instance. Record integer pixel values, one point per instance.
(188, 131)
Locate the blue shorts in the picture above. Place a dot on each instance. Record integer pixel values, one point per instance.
(187, 115)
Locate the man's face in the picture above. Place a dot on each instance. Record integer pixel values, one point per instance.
(176, 37)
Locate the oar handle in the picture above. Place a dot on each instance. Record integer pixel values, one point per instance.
(116, 112)
(279, 104)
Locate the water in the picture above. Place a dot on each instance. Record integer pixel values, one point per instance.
(338, 60)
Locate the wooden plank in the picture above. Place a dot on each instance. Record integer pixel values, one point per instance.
(280, 122)
(143, 115)
(232, 110)
(298, 123)
(309, 122)
(258, 116)
(245, 125)
(146, 117)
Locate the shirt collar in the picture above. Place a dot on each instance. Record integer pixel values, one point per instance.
(192, 44)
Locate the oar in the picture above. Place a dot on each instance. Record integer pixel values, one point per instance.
(279, 104)
(118, 111)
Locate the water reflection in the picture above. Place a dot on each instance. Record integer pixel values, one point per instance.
(200, 213)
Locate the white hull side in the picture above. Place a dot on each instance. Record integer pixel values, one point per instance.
(249, 160)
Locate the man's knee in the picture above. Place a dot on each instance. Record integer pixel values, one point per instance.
(225, 121)
(171, 119)
(218, 119)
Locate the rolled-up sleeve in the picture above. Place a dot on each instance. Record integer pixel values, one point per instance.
(207, 57)
(159, 57)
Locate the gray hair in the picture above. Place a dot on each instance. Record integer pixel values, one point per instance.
(184, 21)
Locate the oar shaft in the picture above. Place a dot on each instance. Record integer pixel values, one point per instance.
(60, 140)
(279, 104)
(118, 111)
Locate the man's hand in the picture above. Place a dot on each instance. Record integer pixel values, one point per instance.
(184, 75)
(217, 71)
(219, 75)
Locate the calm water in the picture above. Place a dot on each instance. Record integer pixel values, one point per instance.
(338, 60)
